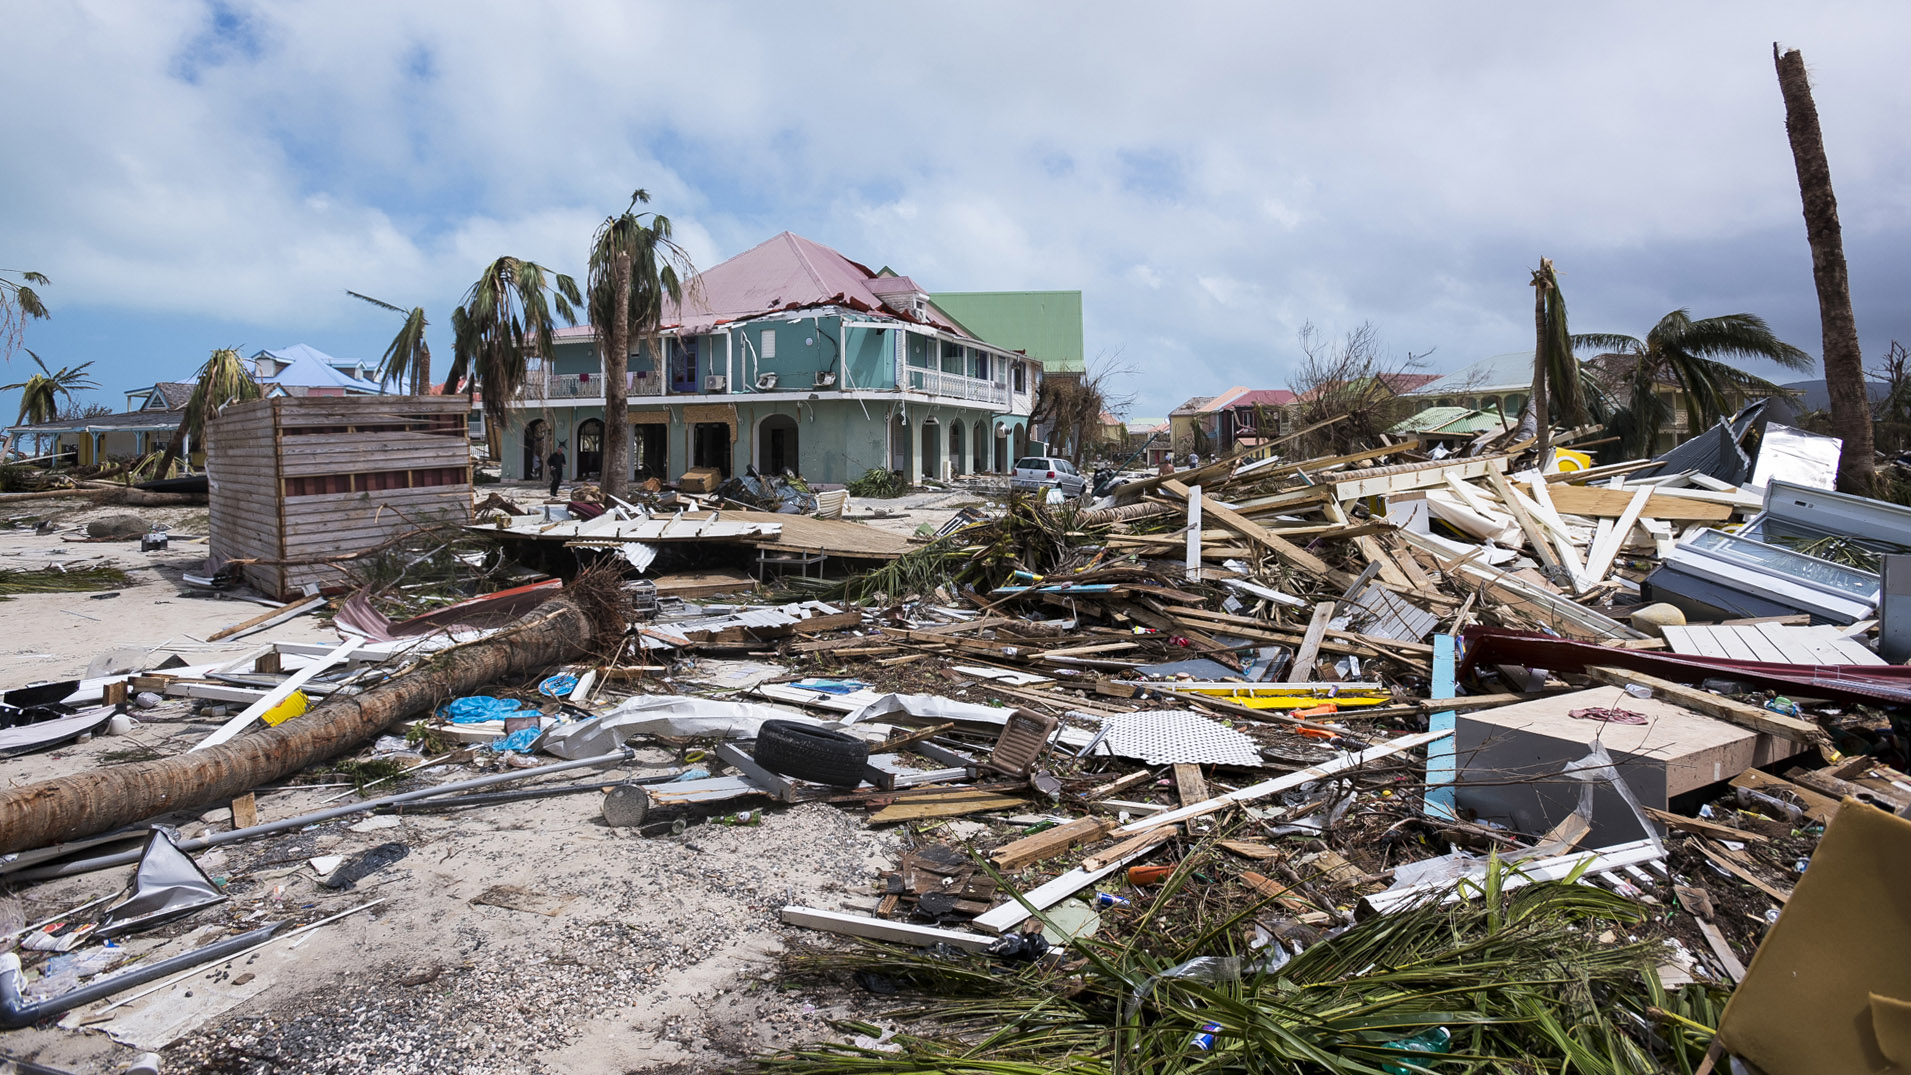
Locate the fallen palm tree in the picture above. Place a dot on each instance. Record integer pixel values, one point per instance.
(590, 611)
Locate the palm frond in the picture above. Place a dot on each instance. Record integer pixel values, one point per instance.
(1607, 343)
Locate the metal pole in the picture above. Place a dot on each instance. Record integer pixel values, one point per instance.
(79, 866)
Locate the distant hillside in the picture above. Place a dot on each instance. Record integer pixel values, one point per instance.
(1813, 396)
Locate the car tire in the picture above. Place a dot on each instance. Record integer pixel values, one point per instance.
(808, 752)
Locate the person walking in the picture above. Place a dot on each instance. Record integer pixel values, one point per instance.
(555, 464)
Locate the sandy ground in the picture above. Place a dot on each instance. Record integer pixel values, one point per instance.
(656, 953)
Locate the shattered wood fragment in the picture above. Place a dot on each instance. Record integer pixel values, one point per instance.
(1735, 865)
(1132, 846)
(1189, 784)
(1818, 807)
(951, 803)
(1309, 653)
(1050, 842)
(1702, 827)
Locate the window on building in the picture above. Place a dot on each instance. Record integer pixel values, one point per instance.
(952, 361)
(1019, 372)
(766, 343)
(978, 364)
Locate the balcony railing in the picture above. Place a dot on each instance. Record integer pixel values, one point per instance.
(588, 385)
(955, 385)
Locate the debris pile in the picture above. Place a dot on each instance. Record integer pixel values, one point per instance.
(1367, 762)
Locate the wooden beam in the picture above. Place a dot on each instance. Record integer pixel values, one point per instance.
(1189, 784)
(1536, 535)
(1818, 807)
(272, 618)
(1712, 705)
(1599, 562)
(1701, 827)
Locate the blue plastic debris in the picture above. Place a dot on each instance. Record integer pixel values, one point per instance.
(831, 686)
(558, 686)
(518, 742)
(479, 708)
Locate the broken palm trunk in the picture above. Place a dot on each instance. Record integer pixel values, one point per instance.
(66, 808)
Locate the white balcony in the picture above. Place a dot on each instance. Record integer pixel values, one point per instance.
(557, 386)
(955, 386)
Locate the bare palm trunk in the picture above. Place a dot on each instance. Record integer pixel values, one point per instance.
(65, 808)
(616, 477)
(1543, 425)
(1844, 360)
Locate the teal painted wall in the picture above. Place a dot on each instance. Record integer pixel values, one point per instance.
(871, 362)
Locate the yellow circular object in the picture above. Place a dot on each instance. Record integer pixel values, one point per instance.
(1566, 461)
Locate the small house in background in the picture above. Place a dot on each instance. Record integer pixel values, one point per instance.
(302, 370)
(299, 484)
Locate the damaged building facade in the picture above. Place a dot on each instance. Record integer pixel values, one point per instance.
(787, 357)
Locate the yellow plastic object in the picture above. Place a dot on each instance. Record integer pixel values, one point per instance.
(1565, 461)
(294, 705)
(1287, 696)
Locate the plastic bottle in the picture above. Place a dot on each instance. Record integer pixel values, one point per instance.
(742, 817)
(1427, 1041)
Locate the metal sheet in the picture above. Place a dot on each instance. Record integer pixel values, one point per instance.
(168, 885)
(1168, 737)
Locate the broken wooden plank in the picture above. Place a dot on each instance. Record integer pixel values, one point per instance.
(1537, 535)
(1126, 848)
(1613, 503)
(289, 611)
(1606, 549)
(1189, 784)
(946, 804)
(1730, 863)
(245, 811)
(1702, 827)
(1309, 654)
(1712, 705)
(1049, 842)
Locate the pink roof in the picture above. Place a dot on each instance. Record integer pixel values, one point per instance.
(787, 272)
(1262, 397)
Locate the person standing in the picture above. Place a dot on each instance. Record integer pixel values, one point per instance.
(555, 464)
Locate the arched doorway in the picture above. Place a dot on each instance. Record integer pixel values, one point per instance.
(931, 449)
(1002, 460)
(776, 445)
(590, 449)
(955, 447)
(899, 446)
(537, 445)
(1021, 441)
(981, 446)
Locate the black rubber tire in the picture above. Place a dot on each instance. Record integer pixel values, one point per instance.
(807, 752)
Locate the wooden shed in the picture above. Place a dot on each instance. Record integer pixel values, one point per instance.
(298, 481)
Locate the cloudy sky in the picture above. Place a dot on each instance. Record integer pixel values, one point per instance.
(1211, 176)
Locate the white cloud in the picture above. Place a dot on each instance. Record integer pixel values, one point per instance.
(1265, 167)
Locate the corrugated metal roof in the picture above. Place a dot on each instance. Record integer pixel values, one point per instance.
(309, 367)
(1497, 373)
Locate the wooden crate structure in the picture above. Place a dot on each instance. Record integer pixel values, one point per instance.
(299, 480)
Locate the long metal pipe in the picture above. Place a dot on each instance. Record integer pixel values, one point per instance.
(79, 866)
(15, 1012)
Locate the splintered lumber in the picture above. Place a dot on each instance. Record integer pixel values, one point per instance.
(1612, 503)
(1285, 550)
(1536, 535)
(288, 611)
(1380, 481)
(1728, 861)
(1818, 807)
(1702, 827)
(1605, 551)
(1267, 788)
(1309, 653)
(1712, 705)
(278, 694)
(1130, 846)
(1000, 919)
(1019, 853)
(82, 804)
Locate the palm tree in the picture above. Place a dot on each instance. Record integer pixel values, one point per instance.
(223, 380)
(41, 393)
(408, 359)
(18, 303)
(1688, 353)
(505, 319)
(1558, 391)
(634, 267)
(1844, 360)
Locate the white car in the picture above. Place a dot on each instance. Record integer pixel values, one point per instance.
(1037, 472)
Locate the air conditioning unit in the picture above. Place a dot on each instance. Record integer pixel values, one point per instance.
(825, 379)
(765, 381)
(715, 383)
